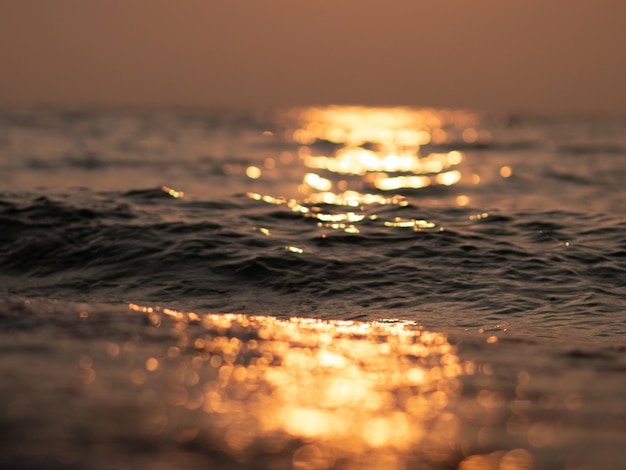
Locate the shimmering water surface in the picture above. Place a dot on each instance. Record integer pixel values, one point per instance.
(414, 288)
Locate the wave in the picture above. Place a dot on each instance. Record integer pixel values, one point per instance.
(516, 270)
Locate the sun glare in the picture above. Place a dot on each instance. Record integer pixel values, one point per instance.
(376, 153)
(328, 390)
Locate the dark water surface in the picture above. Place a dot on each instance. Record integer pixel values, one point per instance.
(85, 217)
(501, 237)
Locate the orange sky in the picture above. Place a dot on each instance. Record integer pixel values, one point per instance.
(505, 55)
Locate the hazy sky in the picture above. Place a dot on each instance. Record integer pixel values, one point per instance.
(509, 55)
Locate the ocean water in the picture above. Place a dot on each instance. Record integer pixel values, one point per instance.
(312, 288)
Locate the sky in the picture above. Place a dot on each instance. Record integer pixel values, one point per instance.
(546, 56)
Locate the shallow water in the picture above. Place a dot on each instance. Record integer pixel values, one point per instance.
(495, 245)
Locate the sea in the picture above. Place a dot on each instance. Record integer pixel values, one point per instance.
(328, 287)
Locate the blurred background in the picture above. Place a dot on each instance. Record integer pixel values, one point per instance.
(549, 56)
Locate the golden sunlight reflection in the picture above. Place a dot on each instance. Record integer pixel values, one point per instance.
(359, 161)
(516, 459)
(322, 390)
(317, 182)
(378, 151)
(172, 192)
(253, 172)
(462, 200)
(355, 125)
(382, 140)
(410, 223)
(506, 171)
(360, 158)
(343, 220)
